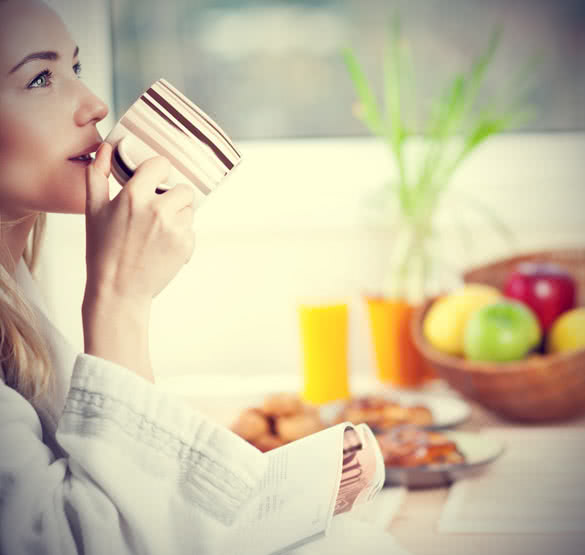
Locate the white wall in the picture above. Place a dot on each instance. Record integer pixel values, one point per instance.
(290, 224)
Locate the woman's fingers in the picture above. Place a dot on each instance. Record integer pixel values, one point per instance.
(97, 187)
(183, 219)
(179, 197)
(177, 206)
(154, 170)
(103, 159)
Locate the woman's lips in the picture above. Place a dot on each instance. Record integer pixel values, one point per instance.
(84, 159)
(85, 156)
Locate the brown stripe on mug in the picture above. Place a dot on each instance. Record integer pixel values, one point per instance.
(194, 130)
(178, 145)
(145, 138)
(161, 114)
(212, 124)
(194, 113)
(206, 162)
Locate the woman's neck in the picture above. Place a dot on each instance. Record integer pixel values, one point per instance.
(14, 238)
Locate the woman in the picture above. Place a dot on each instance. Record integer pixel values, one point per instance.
(93, 459)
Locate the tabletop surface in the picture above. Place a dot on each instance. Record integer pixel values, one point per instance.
(415, 523)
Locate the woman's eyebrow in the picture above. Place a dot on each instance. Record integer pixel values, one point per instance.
(44, 55)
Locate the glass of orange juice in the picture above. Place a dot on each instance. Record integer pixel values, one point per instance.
(398, 362)
(324, 339)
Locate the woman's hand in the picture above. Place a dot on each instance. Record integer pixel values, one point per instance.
(135, 244)
(138, 241)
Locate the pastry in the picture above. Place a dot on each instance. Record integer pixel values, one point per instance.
(282, 404)
(251, 424)
(291, 428)
(283, 418)
(410, 447)
(381, 413)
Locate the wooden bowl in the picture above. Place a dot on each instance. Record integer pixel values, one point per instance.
(538, 388)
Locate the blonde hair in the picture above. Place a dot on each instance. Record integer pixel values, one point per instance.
(24, 355)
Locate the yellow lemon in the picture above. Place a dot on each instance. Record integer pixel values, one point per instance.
(444, 323)
(567, 332)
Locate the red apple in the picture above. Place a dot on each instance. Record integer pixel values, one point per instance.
(546, 288)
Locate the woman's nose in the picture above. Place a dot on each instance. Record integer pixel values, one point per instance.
(91, 108)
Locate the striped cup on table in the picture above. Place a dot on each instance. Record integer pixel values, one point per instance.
(165, 122)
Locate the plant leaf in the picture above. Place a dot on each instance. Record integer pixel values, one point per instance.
(392, 93)
(371, 112)
(479, 67)
(485, 127)
(450, 109)
(396, 131)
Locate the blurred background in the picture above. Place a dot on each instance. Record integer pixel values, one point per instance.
(298, 219)
(273, 69)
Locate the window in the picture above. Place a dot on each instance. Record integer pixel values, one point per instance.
(273, 68)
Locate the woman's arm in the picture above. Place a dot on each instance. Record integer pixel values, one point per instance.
(117, 330)
(144, 473)
(136, 243)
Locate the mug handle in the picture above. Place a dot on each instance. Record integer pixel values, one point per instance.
(128, 164)
(124, 164)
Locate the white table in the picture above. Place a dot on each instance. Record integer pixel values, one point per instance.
(415, 524)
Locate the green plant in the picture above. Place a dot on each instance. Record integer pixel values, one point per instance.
(455, 127)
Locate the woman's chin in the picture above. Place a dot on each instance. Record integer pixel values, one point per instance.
(74, 204)
(71, 198)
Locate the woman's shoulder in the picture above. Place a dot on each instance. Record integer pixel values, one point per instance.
(15, 409)
(29, 286)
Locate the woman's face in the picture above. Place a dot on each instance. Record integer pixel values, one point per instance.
(48, 116)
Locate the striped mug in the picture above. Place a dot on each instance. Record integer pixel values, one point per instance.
(165, 122)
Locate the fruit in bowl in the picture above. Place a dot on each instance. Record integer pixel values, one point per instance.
(531, 316)
(548, 289)
(567, 332)
(502, 331)
(445, 322)
(541, 386)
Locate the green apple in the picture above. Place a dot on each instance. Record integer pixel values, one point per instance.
(502, 331)
(445, 321)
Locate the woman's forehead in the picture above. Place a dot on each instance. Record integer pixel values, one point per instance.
(30, 26)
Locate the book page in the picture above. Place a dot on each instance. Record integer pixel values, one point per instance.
(307, 483)
(363, 473)
(297, 495)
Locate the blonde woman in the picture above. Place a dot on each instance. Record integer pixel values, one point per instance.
(93, 459)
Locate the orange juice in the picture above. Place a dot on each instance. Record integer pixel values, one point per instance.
(397, 360)
(324, 340)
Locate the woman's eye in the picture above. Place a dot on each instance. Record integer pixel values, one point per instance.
(42, 80)
(77, 69)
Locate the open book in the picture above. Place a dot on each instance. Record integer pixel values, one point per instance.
(307, 483)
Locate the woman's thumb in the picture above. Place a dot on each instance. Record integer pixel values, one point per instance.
(97, 186)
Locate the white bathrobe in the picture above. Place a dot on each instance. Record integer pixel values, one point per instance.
(110, 465)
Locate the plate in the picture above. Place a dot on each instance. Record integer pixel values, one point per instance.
(479, 451)
(447, 411)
